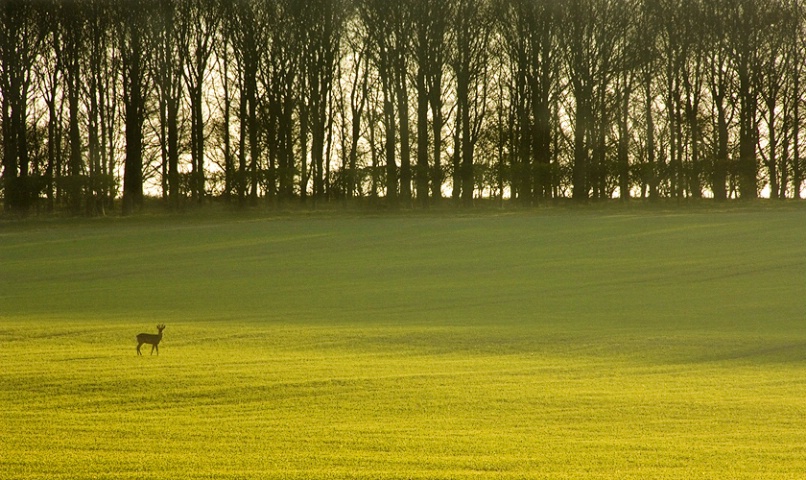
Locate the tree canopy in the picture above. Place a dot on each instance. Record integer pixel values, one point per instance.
(406, 103)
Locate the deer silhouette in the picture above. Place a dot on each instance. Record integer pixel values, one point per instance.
(151, 339)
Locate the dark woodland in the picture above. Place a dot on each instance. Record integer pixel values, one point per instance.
(402, 103)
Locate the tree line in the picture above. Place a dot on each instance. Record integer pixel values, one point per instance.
(405, 102)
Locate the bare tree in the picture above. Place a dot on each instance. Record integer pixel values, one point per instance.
(648, 58)
(171, 38)
(430, 19)
(358, 57)
(720, 80)
(245, 30)
(200, 20)
(101, 106)
(796, 36)
(21, 36)
(530, 33)
(49, 73)
(586, 98)
(320, 25)
(745, 38)
(772, 85)
(470, 36)
(589, 41)
(71, 48)
(132, 25)
(386, 25)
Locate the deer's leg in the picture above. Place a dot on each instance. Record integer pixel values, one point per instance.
(157, 346)
(138, 349)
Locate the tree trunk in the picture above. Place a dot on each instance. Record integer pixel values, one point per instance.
(405, 145)
(435, 100)
(580, 168)
(134, 117)
(421, 174)
(651, 174)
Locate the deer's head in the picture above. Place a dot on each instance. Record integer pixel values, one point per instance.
(160, 328)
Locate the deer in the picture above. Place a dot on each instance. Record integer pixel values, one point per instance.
(151, 339)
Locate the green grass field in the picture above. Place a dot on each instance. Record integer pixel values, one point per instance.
(561, 344)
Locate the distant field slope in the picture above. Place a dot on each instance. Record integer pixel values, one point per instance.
(587, 345)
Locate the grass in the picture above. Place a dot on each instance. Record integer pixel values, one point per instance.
(595, 345)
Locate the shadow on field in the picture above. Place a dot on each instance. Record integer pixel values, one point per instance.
(677, 349)
(765, 353)
(702, 349)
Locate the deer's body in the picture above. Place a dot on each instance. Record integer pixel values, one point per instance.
(151, 339)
